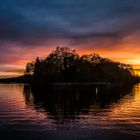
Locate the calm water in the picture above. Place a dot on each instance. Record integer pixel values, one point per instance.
(69, 113)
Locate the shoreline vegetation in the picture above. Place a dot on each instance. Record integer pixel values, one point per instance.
(64, 67)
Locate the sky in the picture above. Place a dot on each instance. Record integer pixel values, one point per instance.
(31, 28)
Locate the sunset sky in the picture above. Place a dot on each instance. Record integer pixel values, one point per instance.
(31, 28)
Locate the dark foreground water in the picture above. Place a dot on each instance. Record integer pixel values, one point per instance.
(69, 113)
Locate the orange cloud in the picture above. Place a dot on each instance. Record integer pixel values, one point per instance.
(126, 50)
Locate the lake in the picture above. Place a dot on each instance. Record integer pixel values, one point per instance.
(66, 113)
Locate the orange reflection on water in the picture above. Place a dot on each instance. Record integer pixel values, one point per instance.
(13, 103)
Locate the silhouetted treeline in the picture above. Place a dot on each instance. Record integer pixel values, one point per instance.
(20, 79)
(65, 65)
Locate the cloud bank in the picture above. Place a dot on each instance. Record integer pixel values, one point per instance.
(33, 27)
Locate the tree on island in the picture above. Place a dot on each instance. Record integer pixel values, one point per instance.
(65, 65)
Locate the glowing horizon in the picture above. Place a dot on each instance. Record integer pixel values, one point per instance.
(33, 29)
(17, 67)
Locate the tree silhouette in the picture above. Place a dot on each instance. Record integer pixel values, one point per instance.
(65, 65)
(29, 69)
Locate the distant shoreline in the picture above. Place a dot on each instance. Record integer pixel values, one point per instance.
(77, 84)
(23, 80)
(28, 80)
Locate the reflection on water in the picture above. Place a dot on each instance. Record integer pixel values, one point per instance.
(69, 103)
(70, 113)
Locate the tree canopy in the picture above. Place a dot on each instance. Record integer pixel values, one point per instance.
(65, 65)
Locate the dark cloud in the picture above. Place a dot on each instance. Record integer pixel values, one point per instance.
(34, 21)
(31, 23)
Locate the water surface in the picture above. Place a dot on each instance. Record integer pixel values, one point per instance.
(69, 113)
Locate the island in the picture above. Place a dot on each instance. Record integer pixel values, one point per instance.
(65, 67)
